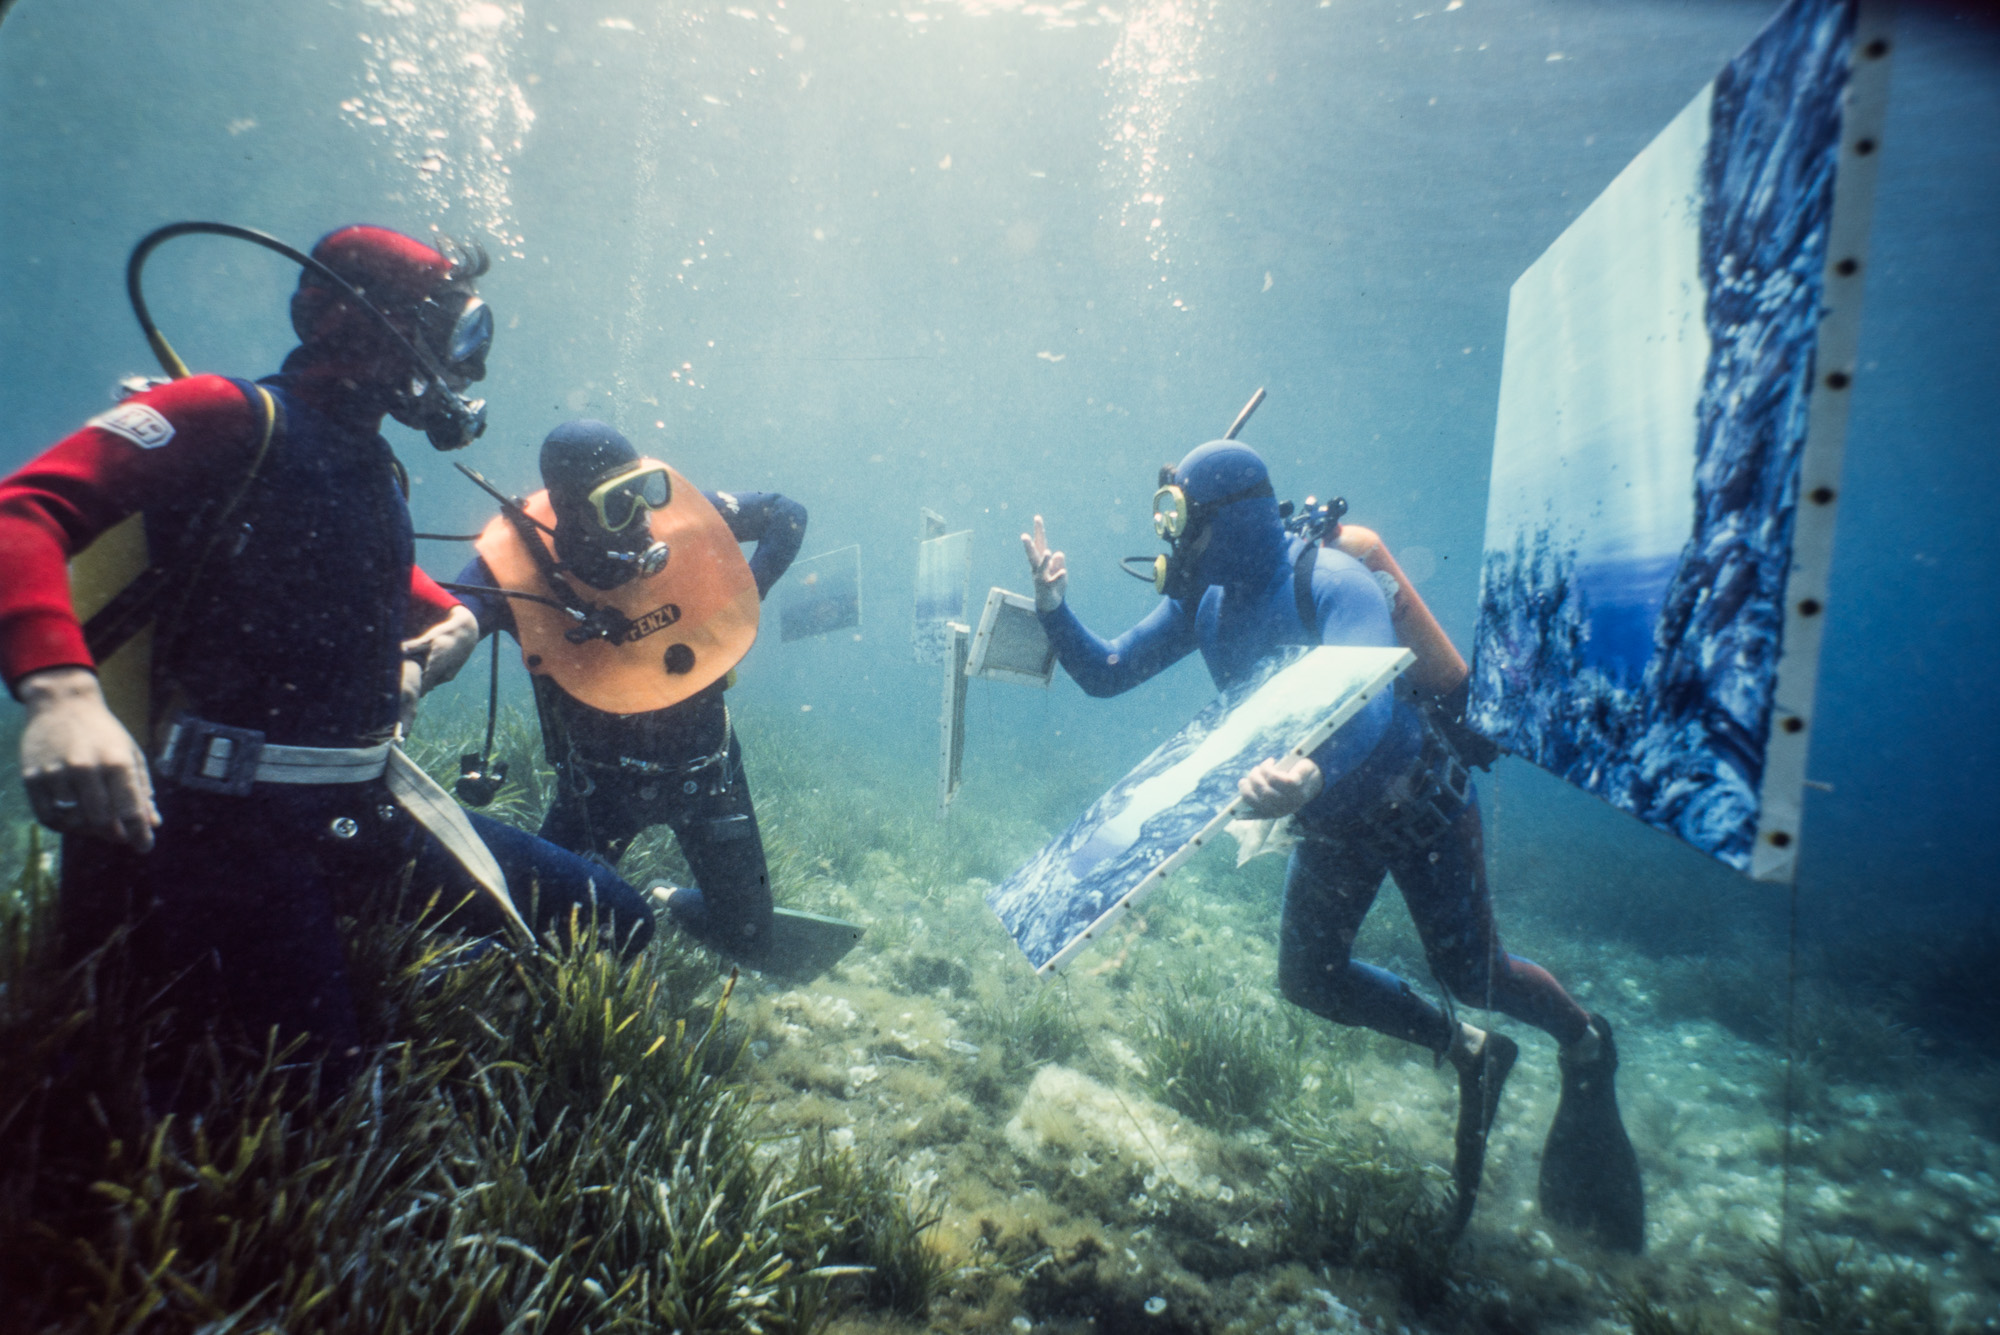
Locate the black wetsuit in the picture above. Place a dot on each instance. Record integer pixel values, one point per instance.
(621, 774)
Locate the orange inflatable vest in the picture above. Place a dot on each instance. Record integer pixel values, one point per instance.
(705, 599)
(1439, 668)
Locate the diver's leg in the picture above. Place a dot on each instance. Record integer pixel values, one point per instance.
(552, 887)
(1445, 888)
(1328, 891)
(1590, 1175)
(1329, 888)
(237, 901)
(730, 904)
(600, 824)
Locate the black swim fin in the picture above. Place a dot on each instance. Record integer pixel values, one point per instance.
(802, 946)
(799, 947)
(1590, 1175)
(1478, 1102)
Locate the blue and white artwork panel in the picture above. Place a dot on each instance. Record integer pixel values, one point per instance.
(1154, 818)
(1656, 398)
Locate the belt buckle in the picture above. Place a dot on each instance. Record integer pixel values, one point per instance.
(212, 757)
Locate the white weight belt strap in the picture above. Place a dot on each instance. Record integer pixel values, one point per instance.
(415, 791)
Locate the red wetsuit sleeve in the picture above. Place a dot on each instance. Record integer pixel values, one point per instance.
(428, 601)
(160, 451)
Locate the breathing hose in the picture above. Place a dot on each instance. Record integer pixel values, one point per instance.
(170, 361)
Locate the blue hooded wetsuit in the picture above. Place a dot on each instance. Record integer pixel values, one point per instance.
(1247, 608)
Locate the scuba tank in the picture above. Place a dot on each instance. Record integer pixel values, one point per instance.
(1439, 682)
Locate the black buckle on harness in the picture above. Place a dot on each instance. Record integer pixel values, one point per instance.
(211, 757)
(1428, 802)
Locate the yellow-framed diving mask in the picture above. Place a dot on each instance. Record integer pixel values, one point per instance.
(621, 498)
(1172, 512)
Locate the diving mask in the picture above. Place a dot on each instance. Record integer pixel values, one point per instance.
(453, 335)
(458, 337)
(620, 499)
(467, 340)
(1174, 514)
(1182, 524)
(1171, 511)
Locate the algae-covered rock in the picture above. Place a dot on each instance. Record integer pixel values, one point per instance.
(1092, 1128)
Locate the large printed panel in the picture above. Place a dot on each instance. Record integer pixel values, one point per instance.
(1157, 816)
(1673, 368)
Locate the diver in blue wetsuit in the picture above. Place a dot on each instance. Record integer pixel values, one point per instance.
(1387, 793)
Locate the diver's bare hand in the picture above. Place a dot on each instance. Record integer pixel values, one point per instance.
(444, 648)
(1277, 788)
(84, 773)
(1051, 575)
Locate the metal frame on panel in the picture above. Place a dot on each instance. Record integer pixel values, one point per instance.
(951, 719)
(1781, 799)
(1002, 604)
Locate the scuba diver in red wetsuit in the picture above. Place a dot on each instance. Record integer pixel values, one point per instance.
(1388, 793)
(270, 641)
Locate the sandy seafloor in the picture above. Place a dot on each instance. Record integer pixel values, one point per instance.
(1073, 1201)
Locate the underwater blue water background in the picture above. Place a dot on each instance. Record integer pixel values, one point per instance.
(905, 255)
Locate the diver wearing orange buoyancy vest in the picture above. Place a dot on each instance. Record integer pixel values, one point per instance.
(631, 608)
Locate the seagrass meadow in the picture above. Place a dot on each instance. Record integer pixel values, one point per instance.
(928, 1138)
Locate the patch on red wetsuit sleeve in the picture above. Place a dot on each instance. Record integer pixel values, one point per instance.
(141, 425)
(208, 411)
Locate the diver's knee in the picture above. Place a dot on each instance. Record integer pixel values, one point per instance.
(1315, 985)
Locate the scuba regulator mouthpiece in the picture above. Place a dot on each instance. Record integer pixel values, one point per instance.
(647, 562)
(1149, 569)
(448, 419)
